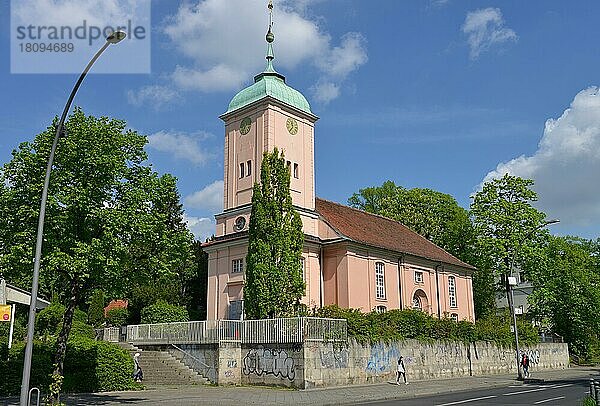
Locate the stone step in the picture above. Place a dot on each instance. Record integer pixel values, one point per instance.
(162, 368)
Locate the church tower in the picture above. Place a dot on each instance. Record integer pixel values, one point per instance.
(266, 115)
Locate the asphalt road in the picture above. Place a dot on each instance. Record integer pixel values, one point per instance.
(550, 393)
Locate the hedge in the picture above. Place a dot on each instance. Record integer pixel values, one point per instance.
(49, 320)
(117, 316)
(90, 366)
(162, 312)
(395, 325)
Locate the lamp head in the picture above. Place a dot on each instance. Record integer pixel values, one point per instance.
(116, 37)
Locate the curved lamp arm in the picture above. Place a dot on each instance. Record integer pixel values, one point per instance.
(114, 38)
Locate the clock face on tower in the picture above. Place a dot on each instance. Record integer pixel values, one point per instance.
(240, 223)
(245, 125)
(292, 126)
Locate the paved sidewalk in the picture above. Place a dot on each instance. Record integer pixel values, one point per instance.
(210, 395)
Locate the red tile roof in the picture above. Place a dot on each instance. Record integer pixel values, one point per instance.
(381, 232)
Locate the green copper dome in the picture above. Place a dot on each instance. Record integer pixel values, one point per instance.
(269, 83)
(273, 85)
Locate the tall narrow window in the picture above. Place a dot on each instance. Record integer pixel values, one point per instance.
(242, 166)
(379, 280)
(296, 171)
(237, 265)
(248, 168)
(303, 264)
(452, 291)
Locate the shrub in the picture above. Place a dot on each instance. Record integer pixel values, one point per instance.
(96, 310)
(117, 316)
(397, 325)
(90, 366)
(49, 320)
(162, 312)
(79, 329)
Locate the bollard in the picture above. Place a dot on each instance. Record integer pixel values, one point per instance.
(31, 391)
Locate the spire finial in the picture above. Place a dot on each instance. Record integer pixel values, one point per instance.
(270, 38)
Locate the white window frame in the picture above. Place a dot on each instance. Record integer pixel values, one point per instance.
(248, 168)
(242, 170)
(381, 309)
(303, 264)
(296, 171)
(454, 316)
(418, 276)
(452, 292)
(237, 265)
(379, 280)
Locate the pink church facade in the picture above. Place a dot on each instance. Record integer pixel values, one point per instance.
(351, 258)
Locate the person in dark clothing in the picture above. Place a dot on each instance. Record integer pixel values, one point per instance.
(525, 365)
(401, 371)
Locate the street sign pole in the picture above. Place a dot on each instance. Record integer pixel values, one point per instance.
(12, 326)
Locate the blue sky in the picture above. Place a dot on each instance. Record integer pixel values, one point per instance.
(436, 94)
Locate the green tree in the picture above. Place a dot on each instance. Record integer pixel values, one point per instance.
(96, 309)
(111, 221)
(508, 232)
(566, 294)
(435, 215)
(274, 282)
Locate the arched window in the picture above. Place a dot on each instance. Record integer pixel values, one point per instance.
(420, 301)
(417, 303)
(452, 291)
(379, 280)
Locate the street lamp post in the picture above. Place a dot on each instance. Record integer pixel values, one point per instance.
(510, 283)
(113, 38)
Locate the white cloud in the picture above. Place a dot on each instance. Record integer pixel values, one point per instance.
(566, 165)
(156, 96)
(219, 77)
(74, 12)
(201, 227)
(210, 198)
(485, 28)
(324, 92)
(181, 145)
(347, 57)
(225, 43)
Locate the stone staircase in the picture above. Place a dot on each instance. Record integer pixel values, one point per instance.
(161, 368)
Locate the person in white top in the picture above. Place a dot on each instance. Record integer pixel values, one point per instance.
(401, 371)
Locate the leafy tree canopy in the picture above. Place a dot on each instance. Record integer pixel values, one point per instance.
(566, 293)
(435, 215)
(274, 284)
(111, 221)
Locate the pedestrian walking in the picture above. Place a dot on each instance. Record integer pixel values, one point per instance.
(525, 365)
(138, 374)
(401, 371)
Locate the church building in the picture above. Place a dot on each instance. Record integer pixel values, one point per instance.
(350, 258)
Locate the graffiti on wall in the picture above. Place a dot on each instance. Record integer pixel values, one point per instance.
(269, 361)
(533, 355)
(382, 358)
(334, 357)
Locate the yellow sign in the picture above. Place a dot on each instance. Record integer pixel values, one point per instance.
(5, 312)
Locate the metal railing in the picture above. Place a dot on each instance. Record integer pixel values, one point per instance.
(110, 334)
(288, 330)
(595, 391)
(192, 332)
(294, 330)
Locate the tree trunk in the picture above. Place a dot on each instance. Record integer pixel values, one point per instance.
(61, 342)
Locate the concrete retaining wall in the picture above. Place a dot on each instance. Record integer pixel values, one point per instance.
(317, 364)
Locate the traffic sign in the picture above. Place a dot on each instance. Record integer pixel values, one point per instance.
(5, 312)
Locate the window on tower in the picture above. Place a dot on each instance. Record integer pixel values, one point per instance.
(242, 166)
(248, 168)
(296, 170)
